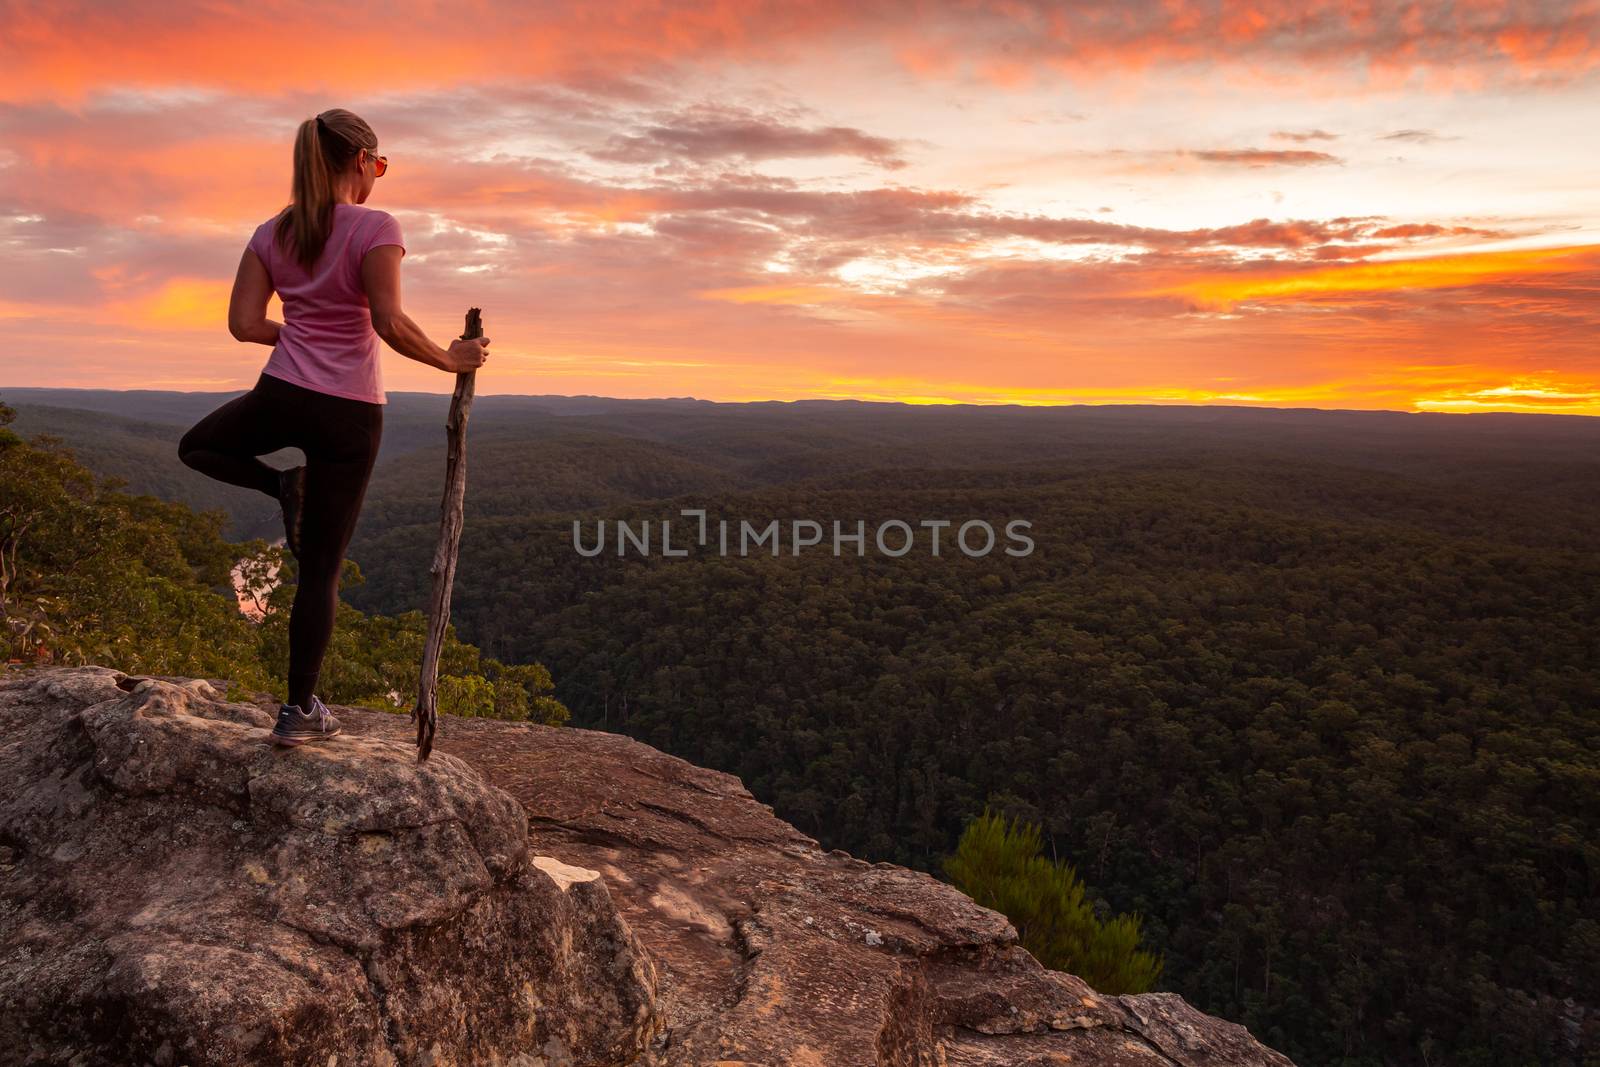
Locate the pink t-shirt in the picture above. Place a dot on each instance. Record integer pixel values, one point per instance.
(327, 342)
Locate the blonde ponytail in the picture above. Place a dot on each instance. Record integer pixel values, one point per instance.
(323, 147)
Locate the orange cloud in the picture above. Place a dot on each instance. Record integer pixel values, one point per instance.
(776, 294)
(67, 48)
(180, 303)
(1264, 157)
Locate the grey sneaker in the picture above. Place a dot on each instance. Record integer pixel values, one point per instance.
(296, 727)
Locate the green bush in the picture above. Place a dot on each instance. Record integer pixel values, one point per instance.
(999, 863)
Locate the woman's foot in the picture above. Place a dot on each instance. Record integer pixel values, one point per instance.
(292, 497)
(296, 727)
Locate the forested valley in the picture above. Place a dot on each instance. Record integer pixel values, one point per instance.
(1316, 694)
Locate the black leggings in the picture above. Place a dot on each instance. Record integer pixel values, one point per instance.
(340, 439)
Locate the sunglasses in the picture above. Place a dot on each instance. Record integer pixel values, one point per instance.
(381, 163)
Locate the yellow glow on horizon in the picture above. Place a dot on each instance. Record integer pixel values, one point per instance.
(911, 391)
(1525, 395)
(1430, 272)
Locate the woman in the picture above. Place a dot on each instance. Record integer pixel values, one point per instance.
(336, 266)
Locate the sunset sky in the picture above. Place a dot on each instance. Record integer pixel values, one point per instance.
(1328, 204)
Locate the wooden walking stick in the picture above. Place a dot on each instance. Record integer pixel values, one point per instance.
(443, 568)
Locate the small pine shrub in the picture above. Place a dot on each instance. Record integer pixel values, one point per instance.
(999, 863)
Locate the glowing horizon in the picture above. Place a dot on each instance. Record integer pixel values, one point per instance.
(1290, 205)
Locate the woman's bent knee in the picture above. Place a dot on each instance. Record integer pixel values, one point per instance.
(195, 440)
(187, 448)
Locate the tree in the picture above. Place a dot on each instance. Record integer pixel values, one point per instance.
(525, 691)
(471, 695)
(92, 575)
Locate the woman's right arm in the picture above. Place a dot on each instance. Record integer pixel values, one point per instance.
(380, 276)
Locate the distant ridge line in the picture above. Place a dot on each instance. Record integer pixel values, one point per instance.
(33, 394)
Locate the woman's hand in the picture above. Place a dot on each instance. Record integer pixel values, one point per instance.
(468, 354)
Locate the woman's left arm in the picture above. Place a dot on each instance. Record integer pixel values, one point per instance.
(247, 308)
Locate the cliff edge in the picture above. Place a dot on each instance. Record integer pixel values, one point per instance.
(175, 891)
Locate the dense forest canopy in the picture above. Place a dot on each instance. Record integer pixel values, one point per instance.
(1316, 694)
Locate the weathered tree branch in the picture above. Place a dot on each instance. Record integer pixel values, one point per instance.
(443, 568)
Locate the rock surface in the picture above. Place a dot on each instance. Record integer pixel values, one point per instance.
(758, 947)
(173, 890)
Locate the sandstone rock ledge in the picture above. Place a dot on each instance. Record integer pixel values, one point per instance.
(174, 892)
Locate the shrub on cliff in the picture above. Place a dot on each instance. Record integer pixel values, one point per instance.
(999, 863)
